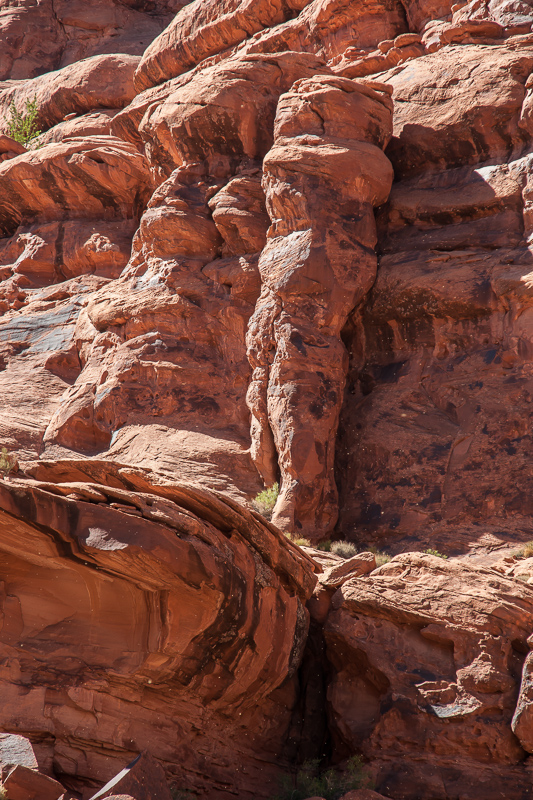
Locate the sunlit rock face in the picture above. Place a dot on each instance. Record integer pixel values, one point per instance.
(268, 242)
(147, 617)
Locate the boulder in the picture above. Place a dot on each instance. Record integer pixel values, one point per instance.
(202, 29)
(221, 115)
(354, 567)
(99, 82)
(427, 656)
(24, 783)
(99, 177)
(14, 751)
(444, 104)
(94, 123)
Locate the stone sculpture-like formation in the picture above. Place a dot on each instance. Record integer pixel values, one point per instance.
(322, 179)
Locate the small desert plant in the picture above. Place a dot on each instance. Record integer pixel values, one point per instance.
(381, 557)
(3, 793)
(265, 501)
(344, 549)
(431, 552)
(331, 784)
(325, 546)
(299, 540)
(23, 127)
(526, 551)
(7, 463)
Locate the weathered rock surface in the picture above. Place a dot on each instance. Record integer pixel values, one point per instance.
(141, 615)
(317, 265)
(143, 779)
(427, 656)
(41, 35)
(99, 82)
(209, 177)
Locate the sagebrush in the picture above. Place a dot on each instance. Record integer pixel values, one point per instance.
(344, 549)
(381, 556)
(23, 127)
(7, 461)
(526, 551)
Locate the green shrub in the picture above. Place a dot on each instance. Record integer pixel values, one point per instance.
(23, 127)
(431, 552)
(325, 546)
(7, 461)
(265, 501)
(330, 784)
(344, 549)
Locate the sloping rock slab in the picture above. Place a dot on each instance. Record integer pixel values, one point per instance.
(144, 615)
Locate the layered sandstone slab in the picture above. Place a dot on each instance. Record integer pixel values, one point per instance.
(174, 618)
(99, 82)
(38, 37)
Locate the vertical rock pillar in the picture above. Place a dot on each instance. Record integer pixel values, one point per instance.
(323, 176)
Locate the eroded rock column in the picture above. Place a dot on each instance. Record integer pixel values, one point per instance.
(323, 176)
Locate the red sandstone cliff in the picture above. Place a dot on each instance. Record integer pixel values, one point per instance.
(259, 241)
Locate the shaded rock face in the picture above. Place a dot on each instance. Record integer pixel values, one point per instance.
(427, 658)
(147, 617)
(437, 405)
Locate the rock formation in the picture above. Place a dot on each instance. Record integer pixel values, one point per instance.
(175, 624)
(255, 243)
(427, 657)
(322, 178)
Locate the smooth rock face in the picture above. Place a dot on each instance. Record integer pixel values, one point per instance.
(437, 394)
(175, 625)
(143, 779)
(317, 265)
(427, 657)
